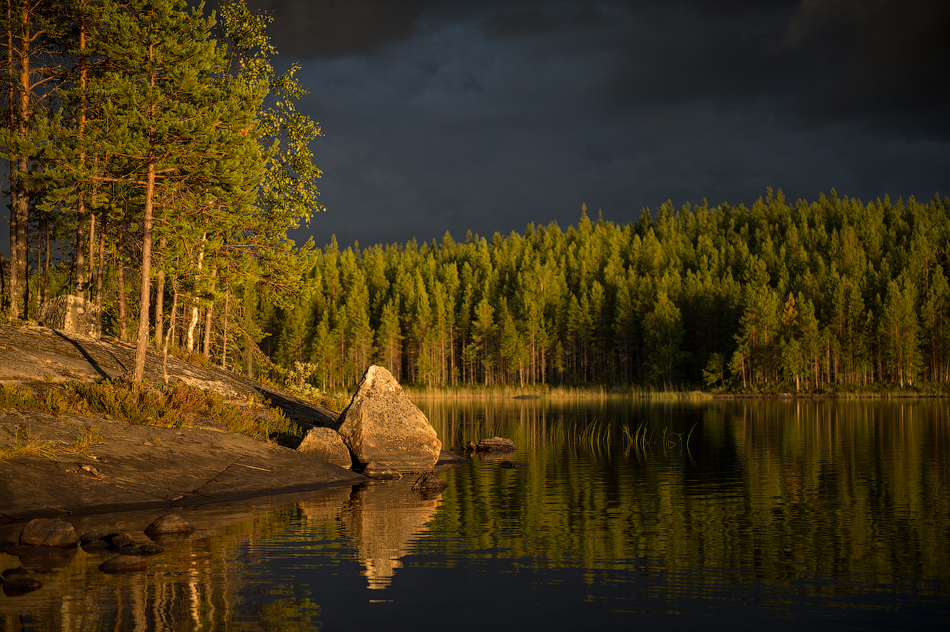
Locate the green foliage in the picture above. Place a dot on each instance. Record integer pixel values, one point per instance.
(778, 297)
(170, 128)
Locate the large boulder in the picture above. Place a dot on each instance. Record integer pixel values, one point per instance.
(327, 444)
(70, 314)
(384, 430)
(169, 524)
(49, 532)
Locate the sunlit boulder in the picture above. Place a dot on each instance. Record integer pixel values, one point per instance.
(384, 430)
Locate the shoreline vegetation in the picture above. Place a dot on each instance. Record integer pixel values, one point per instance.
(651, 395)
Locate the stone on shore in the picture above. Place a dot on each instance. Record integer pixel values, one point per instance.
(49, 532)
(70, 314)
(384, 430)
(327, 444)
(169, 524)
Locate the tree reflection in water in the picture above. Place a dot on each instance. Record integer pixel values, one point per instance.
(816, 513)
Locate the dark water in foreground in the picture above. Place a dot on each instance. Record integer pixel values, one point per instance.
(733, 515)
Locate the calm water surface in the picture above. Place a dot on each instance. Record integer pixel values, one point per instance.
(734, 514)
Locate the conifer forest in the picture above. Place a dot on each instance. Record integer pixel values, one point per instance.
(157, 162)
(780, 297)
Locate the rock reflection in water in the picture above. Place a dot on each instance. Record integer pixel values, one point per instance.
(325, 506)
(383, 520)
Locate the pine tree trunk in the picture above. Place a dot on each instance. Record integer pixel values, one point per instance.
(160, 300)
(192, 323)
(171, 329)
(159, 308)
(173, 317)
(123, 311)
(209, 315)
(248, 357)
(224, 335)
(194, 301)
(45, 294)
(92, 256)
(141, 343)
(99, 274)
(79, 264)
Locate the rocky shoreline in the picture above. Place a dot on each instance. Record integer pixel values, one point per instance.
(141, 467)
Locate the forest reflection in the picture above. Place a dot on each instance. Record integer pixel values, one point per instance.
(769, 489)
(795, 501)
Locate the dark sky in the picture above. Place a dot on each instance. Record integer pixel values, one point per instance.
(487, 115)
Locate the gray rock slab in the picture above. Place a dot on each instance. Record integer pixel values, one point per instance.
(145, 466)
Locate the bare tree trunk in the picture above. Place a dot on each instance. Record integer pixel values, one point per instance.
(79, 264)
(20, 207)
(45, 294)
(173, 318)
(8, 288)
(99, 273)
(224, 336)
(192, 323)
(248, 356)
(160, 300)
(194, 302)
(141, 343)
(123, 311)
(209, 315)
(171, 329)
(92, 254)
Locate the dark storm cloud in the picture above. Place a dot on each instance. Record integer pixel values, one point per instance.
(338, 27)
(486, 115)
(881, 58)
(831, 58)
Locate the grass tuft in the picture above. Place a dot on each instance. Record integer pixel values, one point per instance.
(25, 443)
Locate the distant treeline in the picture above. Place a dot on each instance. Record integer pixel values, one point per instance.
(828, 295)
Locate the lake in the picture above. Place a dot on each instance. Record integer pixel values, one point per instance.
(715, 514)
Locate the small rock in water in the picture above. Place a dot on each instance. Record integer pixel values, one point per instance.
(97, 546)
(169, 524)
(122, 539)
(48, 532)
(123, 564)
(496, 444)
(18, 584)
(96, 534)
(10, 572)
(429, 484)
(142, 550)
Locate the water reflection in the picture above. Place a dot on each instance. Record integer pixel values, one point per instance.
(384, 520)
(785, 513)
(805, 497)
